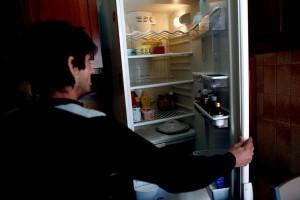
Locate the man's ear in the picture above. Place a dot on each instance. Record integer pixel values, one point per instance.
(73, 69)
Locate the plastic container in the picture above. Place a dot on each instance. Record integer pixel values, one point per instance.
(153, 43)
(148, 114)
(139, 20)
(146, 192)
(218, 194)
(159, 50)
(149, 191)
(142, 49)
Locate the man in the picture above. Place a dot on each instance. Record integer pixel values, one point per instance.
(53, 147)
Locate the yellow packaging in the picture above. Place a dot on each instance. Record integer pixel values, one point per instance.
(145, 100)
(142, 49)
(153, 43)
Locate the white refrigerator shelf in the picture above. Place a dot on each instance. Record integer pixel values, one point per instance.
(149, 83)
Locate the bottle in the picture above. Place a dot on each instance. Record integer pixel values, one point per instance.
(198, 97)
(162, 103)
(133, 100)
(145, 100)
(210, 103)
(172, 99)
(204, 99)
(216, 111)
(138, 101)
(136, 109)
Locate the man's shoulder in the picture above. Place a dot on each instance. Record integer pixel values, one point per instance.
(79, 110)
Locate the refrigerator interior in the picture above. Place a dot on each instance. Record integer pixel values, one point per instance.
(187, 51)
(197, 55)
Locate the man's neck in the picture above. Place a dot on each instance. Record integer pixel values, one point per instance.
(67, 93)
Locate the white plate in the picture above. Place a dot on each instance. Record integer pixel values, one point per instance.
(172, 126)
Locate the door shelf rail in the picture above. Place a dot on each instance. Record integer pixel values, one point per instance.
(213, 79)
(220, 121)
(162, 116)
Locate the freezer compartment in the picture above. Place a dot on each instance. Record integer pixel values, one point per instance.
(219, 122)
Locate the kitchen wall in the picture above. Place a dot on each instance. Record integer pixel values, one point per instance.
(277, 153)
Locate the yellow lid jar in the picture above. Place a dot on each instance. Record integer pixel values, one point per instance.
(142, 49)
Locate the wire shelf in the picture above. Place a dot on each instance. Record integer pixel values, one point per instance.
(136, 35)
(161, 116)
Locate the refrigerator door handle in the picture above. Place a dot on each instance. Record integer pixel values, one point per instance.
(243, 37)
(248, 191)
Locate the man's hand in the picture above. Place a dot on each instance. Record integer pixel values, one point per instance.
(243, 151)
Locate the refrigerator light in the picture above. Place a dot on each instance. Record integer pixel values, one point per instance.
(181, 20)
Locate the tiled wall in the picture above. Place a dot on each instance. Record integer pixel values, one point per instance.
(278, 119)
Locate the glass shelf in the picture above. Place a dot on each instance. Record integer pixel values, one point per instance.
(161, 55)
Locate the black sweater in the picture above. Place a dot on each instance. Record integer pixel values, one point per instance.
(49, 151)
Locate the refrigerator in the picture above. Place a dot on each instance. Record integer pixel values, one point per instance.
(184, 47)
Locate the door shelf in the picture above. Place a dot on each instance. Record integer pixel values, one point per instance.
(220, 122)
(212, 79)
(162, 116)
(150, 83)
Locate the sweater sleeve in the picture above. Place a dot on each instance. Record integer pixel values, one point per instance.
(143, 161)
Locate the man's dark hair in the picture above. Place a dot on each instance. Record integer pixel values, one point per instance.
(45, 48)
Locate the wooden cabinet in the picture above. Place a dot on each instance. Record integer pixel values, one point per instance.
(77, 12)
(17, 15)
(273, 25)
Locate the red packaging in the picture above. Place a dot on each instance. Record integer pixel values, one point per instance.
(159, 50)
